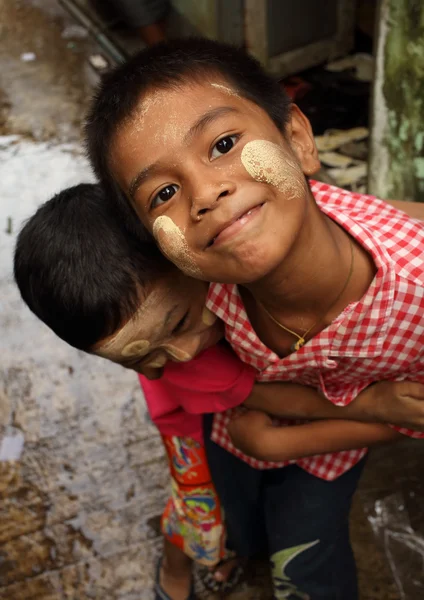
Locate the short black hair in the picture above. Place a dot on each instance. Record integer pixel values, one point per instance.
(79, 270)
(168, 65)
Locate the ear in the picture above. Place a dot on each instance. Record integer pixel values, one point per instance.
(301, 139)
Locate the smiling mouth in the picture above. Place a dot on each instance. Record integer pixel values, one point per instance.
(235, 226)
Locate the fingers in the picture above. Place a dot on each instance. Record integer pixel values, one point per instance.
(417, 390)
(412, 388)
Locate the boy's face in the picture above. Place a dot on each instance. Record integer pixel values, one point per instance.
(172, 323)
(210, 175)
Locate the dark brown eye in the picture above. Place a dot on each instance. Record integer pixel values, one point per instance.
(164, 195)
(224, 145)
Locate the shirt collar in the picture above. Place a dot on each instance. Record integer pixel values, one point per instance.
(371, 314)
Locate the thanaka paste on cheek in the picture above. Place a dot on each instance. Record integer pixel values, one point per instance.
(177, 354)
(268, 163)
(208, 318)
(174, 245)
(157, 362)
(123, 343)
(129, 341)
(137, 348)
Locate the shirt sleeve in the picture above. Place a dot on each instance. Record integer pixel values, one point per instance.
(342, 395)
(214, 381)
(415, 373)
(409, 432)
(165, 411)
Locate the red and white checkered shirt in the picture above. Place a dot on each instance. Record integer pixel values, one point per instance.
(379, 337)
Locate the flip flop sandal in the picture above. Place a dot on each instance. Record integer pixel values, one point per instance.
(221, 587)
(160, 594)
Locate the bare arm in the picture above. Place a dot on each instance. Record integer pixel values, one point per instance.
(291, 401)
(415, 210)
(399, 403)
(254, 434)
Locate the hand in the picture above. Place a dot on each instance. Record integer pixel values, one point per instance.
(396, 402)
(248, 432)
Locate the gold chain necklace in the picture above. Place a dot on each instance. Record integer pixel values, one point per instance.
(301, 338)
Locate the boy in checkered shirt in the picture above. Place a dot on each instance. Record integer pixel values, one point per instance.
(318, 286)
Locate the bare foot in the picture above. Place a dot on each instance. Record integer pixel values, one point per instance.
(223, 571)
(224, 577)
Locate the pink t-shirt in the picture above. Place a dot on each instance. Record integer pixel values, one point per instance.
(213, 381)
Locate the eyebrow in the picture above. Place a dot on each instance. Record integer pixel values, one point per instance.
(206, 119)
(142, 176)
(198, 126)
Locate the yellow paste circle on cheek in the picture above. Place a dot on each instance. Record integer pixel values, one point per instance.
(268, 163)
(158, 362)
(174, 245)
(177, 354)
(139, 347)
(208, 318)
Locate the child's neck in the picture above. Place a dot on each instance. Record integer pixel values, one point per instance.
(323, 273)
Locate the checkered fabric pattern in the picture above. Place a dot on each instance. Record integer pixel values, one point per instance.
(379, 337)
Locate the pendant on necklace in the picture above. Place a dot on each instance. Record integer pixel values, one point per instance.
(297, 345)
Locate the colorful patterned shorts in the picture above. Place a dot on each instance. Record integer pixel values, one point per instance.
(193, 518)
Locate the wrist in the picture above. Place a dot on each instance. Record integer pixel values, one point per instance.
(365, 406)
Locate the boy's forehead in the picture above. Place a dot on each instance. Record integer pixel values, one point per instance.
(196, 90)
(167, 114)
(164, 119)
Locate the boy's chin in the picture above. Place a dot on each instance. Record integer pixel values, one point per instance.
(242, 270)
(243, 276)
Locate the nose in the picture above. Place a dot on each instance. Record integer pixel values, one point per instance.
(206, 196)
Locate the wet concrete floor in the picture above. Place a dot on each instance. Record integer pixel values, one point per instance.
(83, 478)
